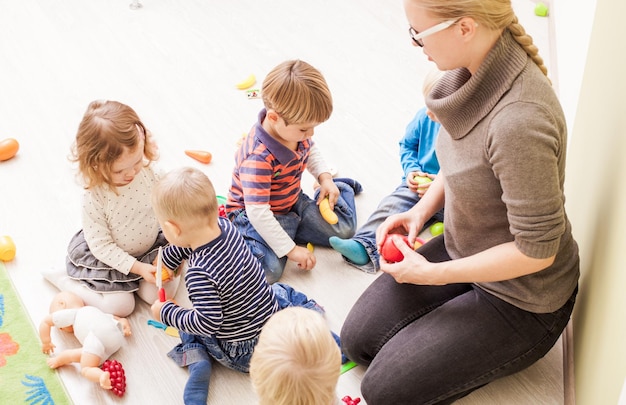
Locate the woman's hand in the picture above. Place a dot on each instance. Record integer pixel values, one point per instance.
(405, 223)
(413, 269)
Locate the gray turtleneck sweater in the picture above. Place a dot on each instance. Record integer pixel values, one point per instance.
(502, 153)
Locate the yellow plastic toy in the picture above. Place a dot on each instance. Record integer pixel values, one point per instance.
(328, 214)
(7, 248)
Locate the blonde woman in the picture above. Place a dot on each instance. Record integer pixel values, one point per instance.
(492, 295)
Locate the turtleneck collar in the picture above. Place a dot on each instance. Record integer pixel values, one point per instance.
(460, 100)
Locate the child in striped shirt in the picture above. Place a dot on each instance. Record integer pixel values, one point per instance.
(266, 202)
(230, 296)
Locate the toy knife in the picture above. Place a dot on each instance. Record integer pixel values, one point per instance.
(159, 275)
(168, 329)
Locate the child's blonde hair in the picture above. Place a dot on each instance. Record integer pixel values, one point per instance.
(185, 195)
(297, 361)
(298, 93)
(108, 128)
(430, 80)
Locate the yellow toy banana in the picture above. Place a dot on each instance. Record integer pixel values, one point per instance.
(247, 82)
(328, 214)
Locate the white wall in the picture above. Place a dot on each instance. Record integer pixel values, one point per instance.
(592, 84)
(571, 30)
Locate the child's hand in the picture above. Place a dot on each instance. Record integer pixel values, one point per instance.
(145, 270)
(156, 309)
(303, 257)
(330, 189)
(419, 187)
(47, 348)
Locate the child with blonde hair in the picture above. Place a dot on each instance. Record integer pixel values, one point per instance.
(112, 256)
(230, 297)
(296, 361)
(266, 202)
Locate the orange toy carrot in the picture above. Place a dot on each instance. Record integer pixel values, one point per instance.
(201, 156)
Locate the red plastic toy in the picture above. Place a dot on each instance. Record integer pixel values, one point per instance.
(118, 377)
(349, 401)
(391, 253)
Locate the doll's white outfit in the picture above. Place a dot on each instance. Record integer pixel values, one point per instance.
(99, 333)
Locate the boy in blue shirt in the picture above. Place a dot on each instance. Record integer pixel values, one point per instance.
(417, 157)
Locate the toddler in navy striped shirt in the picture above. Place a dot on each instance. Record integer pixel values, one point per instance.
(230, 296)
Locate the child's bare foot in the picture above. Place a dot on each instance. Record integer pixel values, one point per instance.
(105, 380)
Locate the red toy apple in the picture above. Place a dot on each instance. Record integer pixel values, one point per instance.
(391, 253)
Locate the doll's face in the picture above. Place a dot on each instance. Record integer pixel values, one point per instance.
(65, 300)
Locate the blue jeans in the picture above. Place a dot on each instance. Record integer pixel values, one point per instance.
(400, 200)
(287, 296)
(194, 350)
(234, 355)
(436, 344)
(303, 224)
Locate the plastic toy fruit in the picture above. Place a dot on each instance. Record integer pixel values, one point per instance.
(247, 82)
(422, 179)
(351, 401)
(201, 156)
(221, 206)
(8, 148)
(328, 214)
(436, 228)
(7, 248)
(391, 253)
(541, 9)
(118, 377)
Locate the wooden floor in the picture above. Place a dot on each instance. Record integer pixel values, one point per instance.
(176, 63)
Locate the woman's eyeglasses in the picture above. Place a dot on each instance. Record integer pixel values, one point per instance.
(418, 36)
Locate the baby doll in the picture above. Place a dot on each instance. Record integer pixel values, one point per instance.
(100, 335)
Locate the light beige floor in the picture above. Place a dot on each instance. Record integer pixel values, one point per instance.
(177, 63)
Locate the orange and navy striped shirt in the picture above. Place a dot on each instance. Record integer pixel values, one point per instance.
(267, 172)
